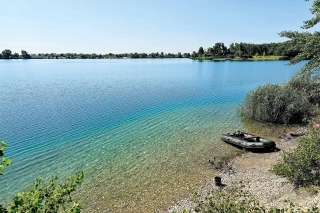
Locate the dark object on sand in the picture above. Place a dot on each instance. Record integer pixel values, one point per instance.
(217, 181)
(248, 141)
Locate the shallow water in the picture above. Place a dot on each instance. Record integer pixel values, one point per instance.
(141, 130)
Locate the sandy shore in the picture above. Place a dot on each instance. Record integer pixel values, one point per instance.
(271, 190)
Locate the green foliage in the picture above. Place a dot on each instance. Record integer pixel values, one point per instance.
(50, 197)
(4, 161)
(309, 43)
(25, 54)
(194, 54)
(219, 50)
(43, 197)
(236, 199)
(312, 190)
(315, 9)
(302, 166)
(309, 86)
(278, 103)
(15, 56)
(6, 54)
(2, 209)
(284, 49)
(201, 51)
(295, 101)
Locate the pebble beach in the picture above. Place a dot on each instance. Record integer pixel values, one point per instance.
(252, 168)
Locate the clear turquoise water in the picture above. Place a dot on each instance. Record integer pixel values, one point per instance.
(141, 130)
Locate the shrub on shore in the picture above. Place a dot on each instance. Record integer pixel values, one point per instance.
(293, 102)
(48, 197)
(43, 197)
(302, 166)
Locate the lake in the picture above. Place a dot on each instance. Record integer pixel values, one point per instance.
(142, 130)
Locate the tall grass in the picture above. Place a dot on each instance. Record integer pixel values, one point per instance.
(290, 103)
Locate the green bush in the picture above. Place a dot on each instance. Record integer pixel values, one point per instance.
(3, 160)
(43, 197)
(277, 104)
(302, 166)
(310, 86)
(50, 197)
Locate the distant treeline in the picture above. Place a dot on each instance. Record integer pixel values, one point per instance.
(247, 50)
(7, 54)
(219, 50)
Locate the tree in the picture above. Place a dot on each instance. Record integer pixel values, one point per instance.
(194, 54)
(210, 51)
(219, 50)
(6, 54)
(15, 56)
(200, 51)
(93, 56)
(310, 43)
(186, 55)
(302, 166)
(295, 101)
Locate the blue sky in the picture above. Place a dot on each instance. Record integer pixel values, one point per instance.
(123, 26)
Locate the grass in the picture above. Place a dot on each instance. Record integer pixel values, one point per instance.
(269, 57)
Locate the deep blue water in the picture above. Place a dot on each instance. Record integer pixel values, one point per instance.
(115, 117)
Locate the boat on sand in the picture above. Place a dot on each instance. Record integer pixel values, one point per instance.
(248, 141)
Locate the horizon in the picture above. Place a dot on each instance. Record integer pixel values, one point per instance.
(104, 27)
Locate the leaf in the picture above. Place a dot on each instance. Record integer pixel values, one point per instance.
(3, 146)
(7, 162)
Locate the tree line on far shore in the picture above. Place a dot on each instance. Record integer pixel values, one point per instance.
(219, 50)
(247, 50)
(7, 54)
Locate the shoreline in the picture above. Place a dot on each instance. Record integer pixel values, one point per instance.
(242, 59)
(251, 168)
(196, 59)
